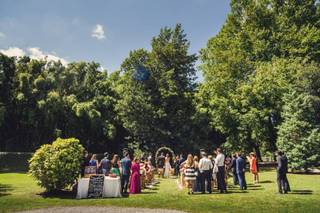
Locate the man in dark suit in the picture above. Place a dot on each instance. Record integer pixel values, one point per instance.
(282, 170)
(125, 168)
(181, 160)
(85, 162)
(234, 170)
(160, 162)
(241, 168)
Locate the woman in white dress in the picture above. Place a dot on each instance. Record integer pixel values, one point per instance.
(167, 166)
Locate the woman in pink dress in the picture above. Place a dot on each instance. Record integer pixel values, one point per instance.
(135, 182)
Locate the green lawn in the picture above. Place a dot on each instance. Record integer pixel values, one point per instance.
(19, 192)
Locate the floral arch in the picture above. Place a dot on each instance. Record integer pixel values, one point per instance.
(165, 150)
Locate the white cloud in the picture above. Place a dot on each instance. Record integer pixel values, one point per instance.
(34, 53)
(2, 35)
(98, 32)
(13, 51)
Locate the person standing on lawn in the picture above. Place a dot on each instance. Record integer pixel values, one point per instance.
(167, 166)
(234, 169)
(240, 170)
(115, 165)
(190, 175)
(85, 162)
(197, 185)
(282, 170)
(125, 168)
(176, 166)
(135, 181)
(205, 168)
(219, 162)
(94, 162)
(253, 167)
(160, 162)
(105, 164)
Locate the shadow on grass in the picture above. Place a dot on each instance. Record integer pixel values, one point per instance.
(237, 192)
(218, 193)
(250, 185)
(153, 189)
(266, 168)
(148, 192)
(252, 189)
(4, 189)
(13, 171)
(301, 192)
(62, 194)
(266, 181)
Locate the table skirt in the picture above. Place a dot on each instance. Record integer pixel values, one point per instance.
(111, 187)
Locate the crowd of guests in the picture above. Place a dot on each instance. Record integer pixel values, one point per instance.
(135, 174)
(197, 175)
(212, 171)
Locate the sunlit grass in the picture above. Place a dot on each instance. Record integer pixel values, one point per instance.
(20, 192)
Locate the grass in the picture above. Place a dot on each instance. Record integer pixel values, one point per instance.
(19, 192)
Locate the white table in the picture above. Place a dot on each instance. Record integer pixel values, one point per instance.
(111, 187)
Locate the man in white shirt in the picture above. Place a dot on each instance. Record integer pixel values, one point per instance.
(219, 162)
(205, 168)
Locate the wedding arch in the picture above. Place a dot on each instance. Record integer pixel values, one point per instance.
(165, 150)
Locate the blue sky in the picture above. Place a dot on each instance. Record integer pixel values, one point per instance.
(102, 30)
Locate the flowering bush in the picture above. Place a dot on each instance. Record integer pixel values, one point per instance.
(56, 166)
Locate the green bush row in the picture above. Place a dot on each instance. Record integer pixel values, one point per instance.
(14, 161)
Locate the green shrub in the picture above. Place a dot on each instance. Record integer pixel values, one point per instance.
(56, 166)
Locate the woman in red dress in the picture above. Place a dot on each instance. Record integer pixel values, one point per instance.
(135, 182)
(253, 167)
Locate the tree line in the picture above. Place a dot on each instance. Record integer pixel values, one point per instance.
(260, 91)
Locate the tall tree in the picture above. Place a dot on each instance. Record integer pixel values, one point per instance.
(161, 106)
(299, 133)
(255, 32)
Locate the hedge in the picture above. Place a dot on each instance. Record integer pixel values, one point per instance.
(14, 161)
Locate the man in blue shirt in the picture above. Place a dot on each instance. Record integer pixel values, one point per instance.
(105, 164)
(241, 167)
(125, 167)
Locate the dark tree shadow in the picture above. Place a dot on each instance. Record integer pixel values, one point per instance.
(4, 189)
(301, 192)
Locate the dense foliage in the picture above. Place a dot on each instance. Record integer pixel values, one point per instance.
(299, 133)
(161, 108)
(261, 52)
(43, 100)
(55, 166)
(260, 91)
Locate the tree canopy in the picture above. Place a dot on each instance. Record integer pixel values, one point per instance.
(260, 91)
(251, 65)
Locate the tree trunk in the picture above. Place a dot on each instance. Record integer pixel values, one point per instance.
(257, 151)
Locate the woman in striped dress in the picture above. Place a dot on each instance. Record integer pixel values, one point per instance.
(190, 173)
